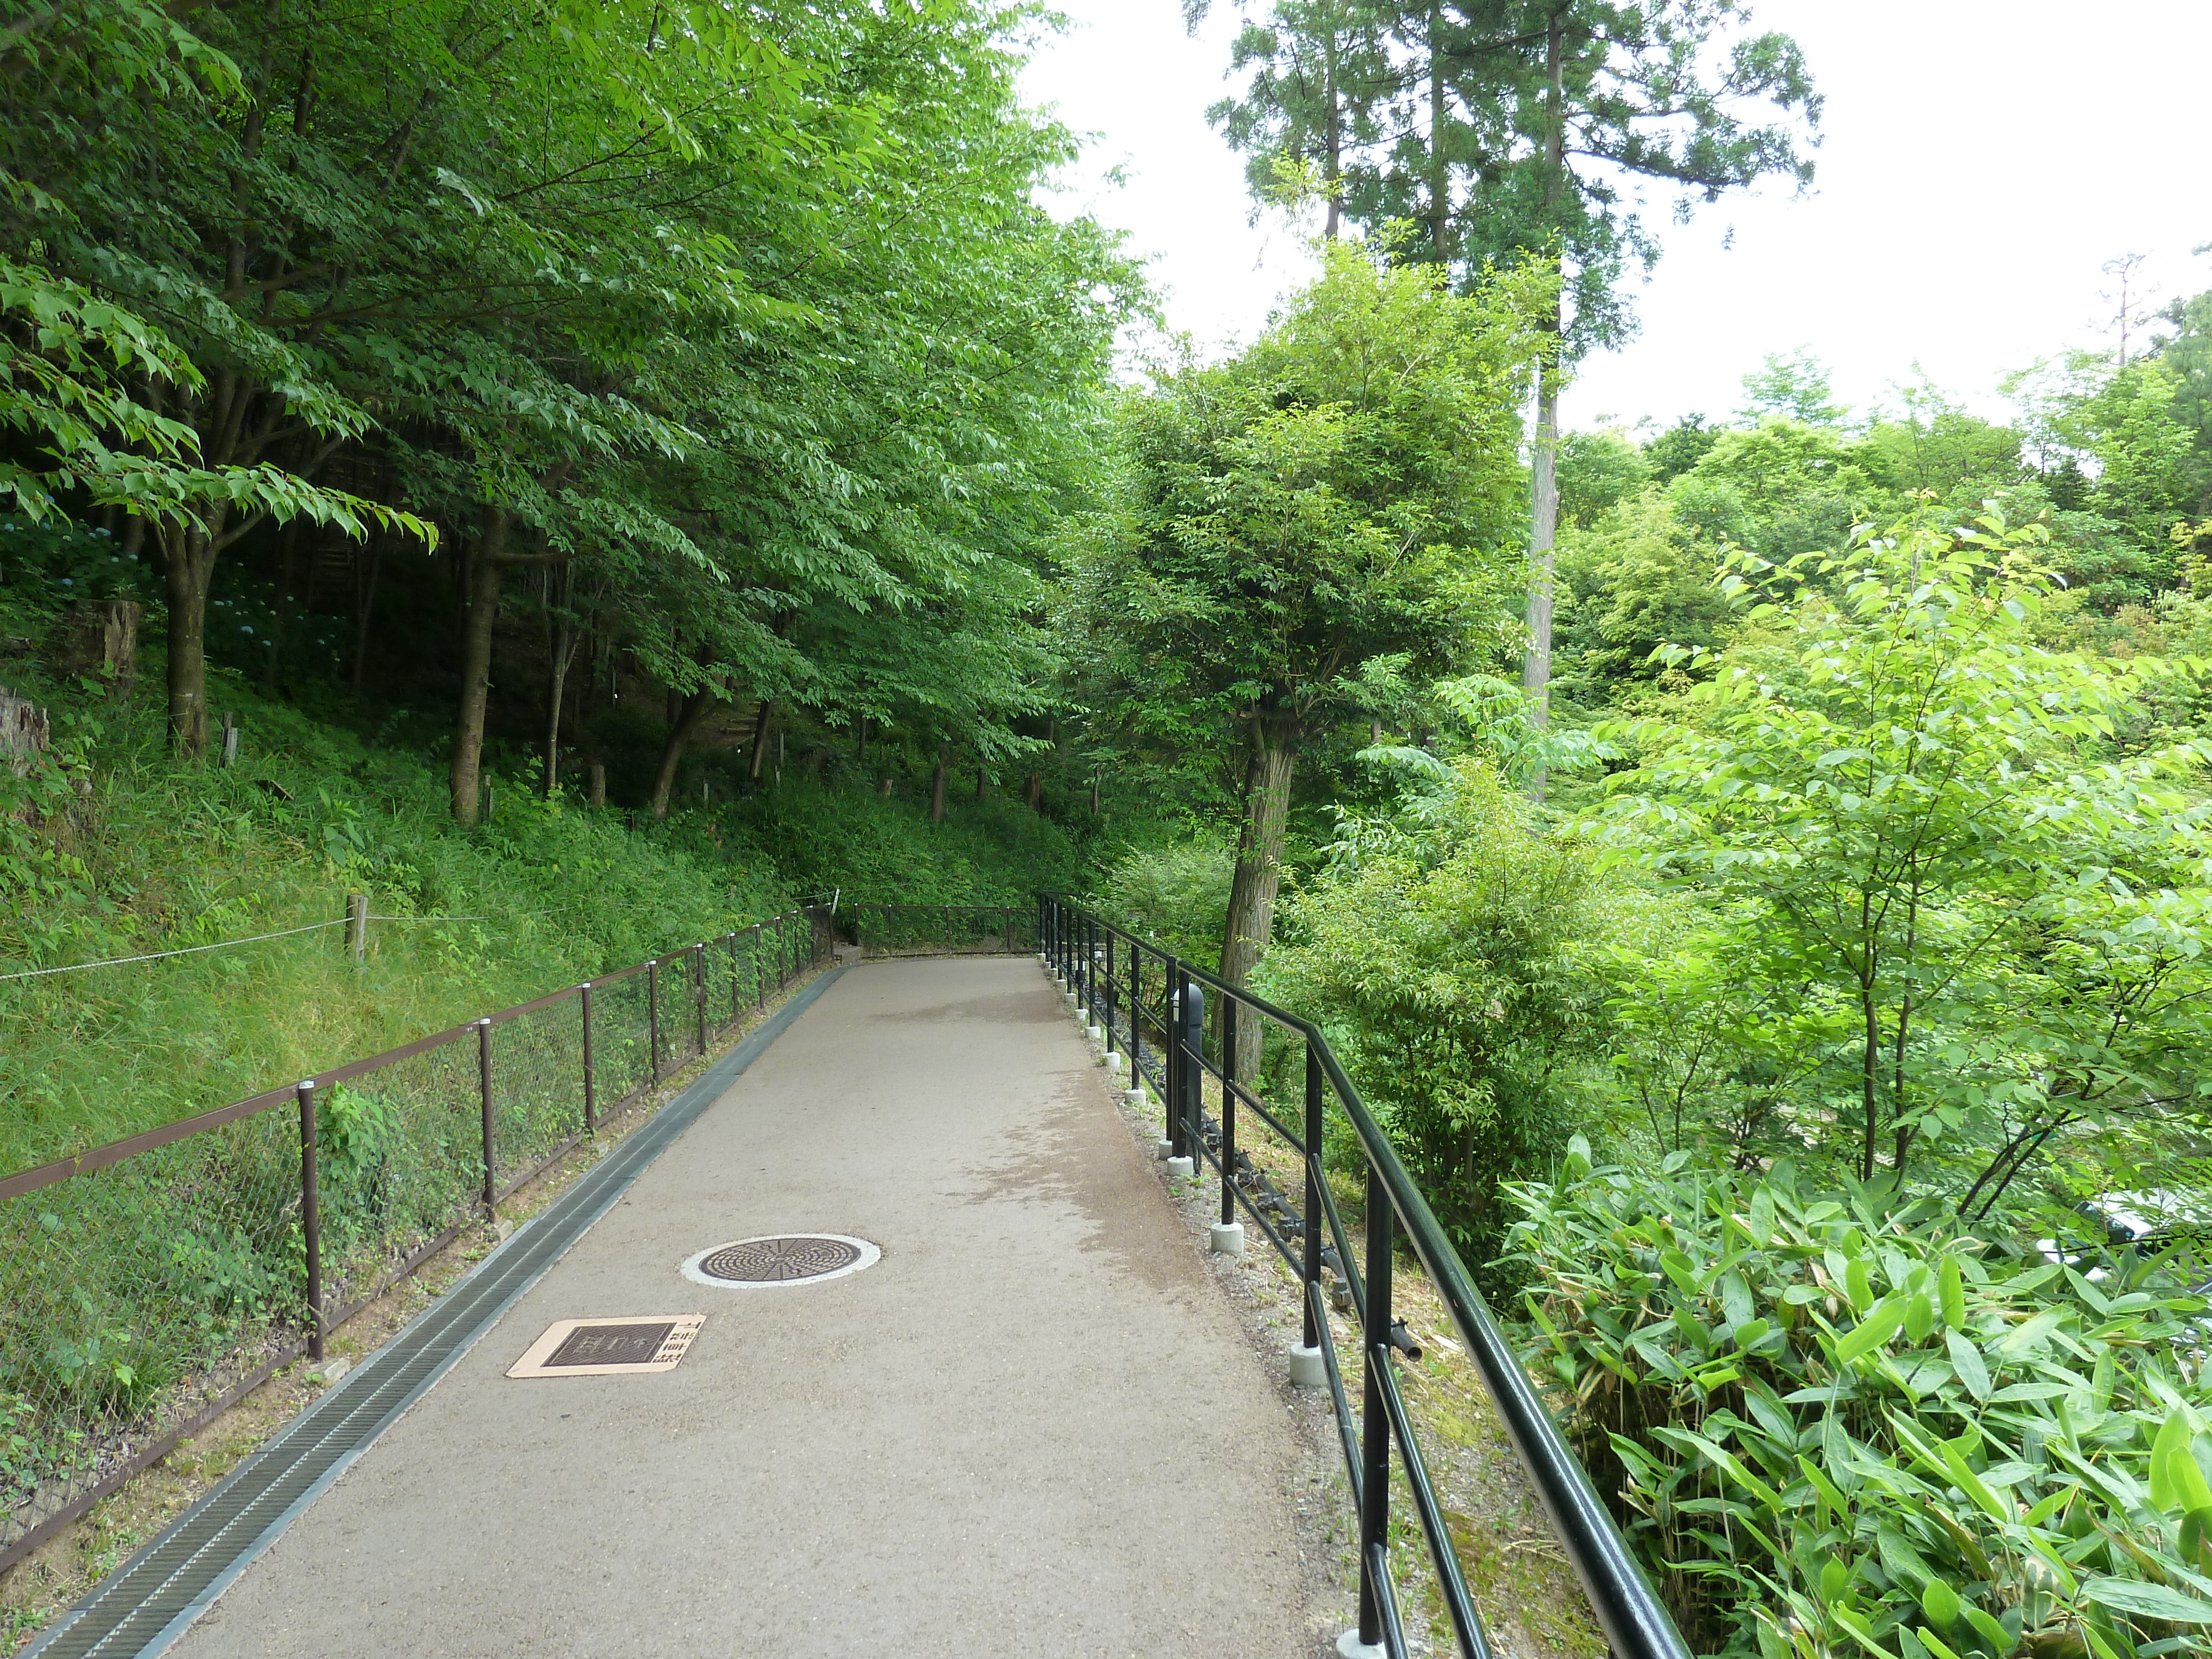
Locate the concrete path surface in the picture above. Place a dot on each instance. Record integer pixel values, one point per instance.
(1034, 1427)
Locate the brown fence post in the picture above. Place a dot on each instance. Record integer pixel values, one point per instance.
(699, 954)
(591, 1099)
(483, 1079)
(357, 925)
(760, 980)
(310, 1217)
(652, 1014)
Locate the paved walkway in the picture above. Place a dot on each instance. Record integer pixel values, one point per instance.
(1034, 1427)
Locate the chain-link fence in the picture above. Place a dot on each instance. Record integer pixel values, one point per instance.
(147, 1286)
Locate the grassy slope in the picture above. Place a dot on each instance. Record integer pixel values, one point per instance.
(114, 849)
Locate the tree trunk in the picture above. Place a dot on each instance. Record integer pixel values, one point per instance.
(190, 561)
(565, 637)
(1259, 877)
(937, 786)
(760, 737)
(598, 788)
(1544, 514)
(979, 783)
(1439, 168)
(1035, 790)
(476, 665)
(690, 713)
(1335, 177)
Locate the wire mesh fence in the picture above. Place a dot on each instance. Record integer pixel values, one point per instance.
(146, 1285)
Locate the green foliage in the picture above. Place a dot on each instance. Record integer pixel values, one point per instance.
(1448, 953)
(1793, 387)
(1832, 1426)
(1174, 896)
(1900, 801)
(1597, 471)
(113, 849)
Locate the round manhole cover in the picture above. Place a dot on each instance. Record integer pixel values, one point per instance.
(779, 1259)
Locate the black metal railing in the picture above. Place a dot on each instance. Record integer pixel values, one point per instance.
(1151, 1008)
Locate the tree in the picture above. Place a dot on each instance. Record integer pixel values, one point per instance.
(1914, 812)
(1286, 520)
(1795, 387)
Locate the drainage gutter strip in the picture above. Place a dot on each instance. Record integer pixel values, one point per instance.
(154, 1598)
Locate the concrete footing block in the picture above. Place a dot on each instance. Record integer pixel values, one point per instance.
(1163, 1151)
(1114, 1059)
(1228, 1238)
(1183, 1167)
(1351, 1646)
(1309, 1370)
(1096, 1033)
(1134, 1096)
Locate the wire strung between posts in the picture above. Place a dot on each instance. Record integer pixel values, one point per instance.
(224, 945)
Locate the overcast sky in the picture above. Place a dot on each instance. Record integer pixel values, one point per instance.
(1981, 160)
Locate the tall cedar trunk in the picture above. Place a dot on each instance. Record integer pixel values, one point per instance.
(1544, 514)
(1034, 789)
(1336, 136)
(937, 786)
(189, 558)
(979, 783)
(690, 713)
(1259, 877)
(1439, 168)
(760, 737)
(476, 665)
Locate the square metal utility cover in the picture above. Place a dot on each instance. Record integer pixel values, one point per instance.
(609, 1347)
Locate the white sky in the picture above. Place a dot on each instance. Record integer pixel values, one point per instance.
(1981, 160)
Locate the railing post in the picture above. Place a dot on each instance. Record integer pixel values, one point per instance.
(1108, 1021)
(1136, 1015)
(731, 939)
(1175, 1058)
(483, 1080)
(652, 1014)
(1375, 1415)
(1229, 1111)
(591, 1081)
(1192, 1038)
(699, 968)
(310, 1217)
(1006, 924)
(1313, 1192)
(760, 981)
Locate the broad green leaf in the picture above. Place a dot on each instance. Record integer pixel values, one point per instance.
(1966, 1361)
(2142, 1600)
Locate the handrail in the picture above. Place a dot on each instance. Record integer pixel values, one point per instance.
(1078, 944)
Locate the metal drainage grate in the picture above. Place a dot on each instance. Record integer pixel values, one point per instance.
(609, 1347)
(779, 1259)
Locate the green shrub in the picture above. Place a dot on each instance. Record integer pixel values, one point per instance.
(1832, 1429)
(1176, 896)
(1449, 953)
